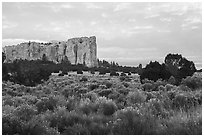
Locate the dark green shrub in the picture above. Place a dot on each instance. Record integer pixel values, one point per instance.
(130, 121)
(156, 107)
(184, 101)
(46, 104)
(25, 112)
(125, 84)
(83, 79)
(172, 80)
(93, 86)
(125, 78)
(92, 72)
(67, 91)
(113, 73)
(11, 125)
(36, 126)
(122, 74)
(60, 74)
(108, 84)
(76, 129)
(149, 95)
(79, 72)
(169, 87)
(91, 95)
(106, 106)
(62, 119)
(147, 87)
(82, 90)
(136, 97)
(193, 82)
(105, 92)
(102, 72)
(87, 106)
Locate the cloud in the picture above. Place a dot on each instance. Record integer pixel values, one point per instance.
(142, 27)
(9, 25)
(93, 23)
(92, 6)
(6, 24)
(104, 15)
(58, 7)
(121, 6)
(165, 19)
(129, 31)
(191, 21)
(66, 6)
(131, 20)
(151, 16)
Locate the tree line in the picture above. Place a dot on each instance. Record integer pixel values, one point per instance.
(33, 72)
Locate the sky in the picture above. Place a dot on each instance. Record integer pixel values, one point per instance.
(128, 33)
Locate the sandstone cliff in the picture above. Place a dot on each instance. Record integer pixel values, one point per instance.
(76, 50)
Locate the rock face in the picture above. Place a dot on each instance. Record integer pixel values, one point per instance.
(77, 50)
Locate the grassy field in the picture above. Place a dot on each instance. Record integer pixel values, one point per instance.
(98, 105)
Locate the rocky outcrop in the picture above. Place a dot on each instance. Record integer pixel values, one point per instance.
(76, 50)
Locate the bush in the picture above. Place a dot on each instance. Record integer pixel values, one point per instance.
(169, 87)
(102, 72)
(25, 112)
(136, 97)
(193, 82)
(130, 121)
(91, 95)
(108, 84)
(82, 91)
(148, 87)
(156, 107)
(62, 119)
(92, 72)
(46, 104)
(60, 74)
(172, 80)
(76, 129)
(150, 95)
(87, 106)
(113, 73)
(105, 92)
(93, 86)
(83, 79)
(79, 72)
(125, 78)
(106, 106)
(11, 125)
(185, 102)
(125, 84)
(122, 74)
(67, 91)
(36, 126)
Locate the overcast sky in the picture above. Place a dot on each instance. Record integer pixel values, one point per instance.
(128, 33)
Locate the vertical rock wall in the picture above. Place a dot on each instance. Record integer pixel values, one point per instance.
(77, 50)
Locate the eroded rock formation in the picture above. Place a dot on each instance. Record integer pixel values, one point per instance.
(76, 50)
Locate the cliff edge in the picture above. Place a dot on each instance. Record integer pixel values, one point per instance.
(81, 50)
